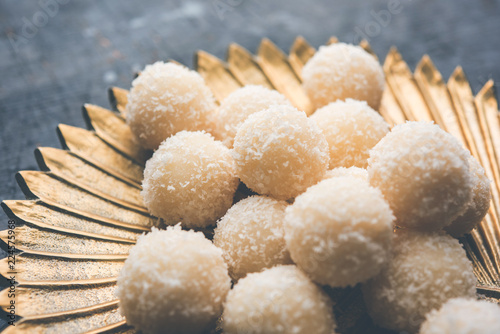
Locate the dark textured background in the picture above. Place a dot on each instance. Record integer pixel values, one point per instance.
(82, 47)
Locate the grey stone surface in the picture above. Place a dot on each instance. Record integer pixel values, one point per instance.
(82, 47)
(54, 58)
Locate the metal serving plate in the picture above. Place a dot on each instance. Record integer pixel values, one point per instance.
(83, 210)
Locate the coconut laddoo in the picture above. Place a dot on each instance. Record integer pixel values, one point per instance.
(423, 173)
(340, 71)
(425, 271)
(240, 104)
(280, 300)
(280, 152)
(191, 178)
(479, 205)
(463, 316)
(251, 235)
(357, 172)
(351, 129)
(173, 281)
(339, 231)
(165, 99)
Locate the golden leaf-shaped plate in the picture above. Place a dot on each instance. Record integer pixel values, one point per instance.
(83, 210)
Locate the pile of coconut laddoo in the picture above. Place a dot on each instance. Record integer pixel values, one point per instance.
(337, 199)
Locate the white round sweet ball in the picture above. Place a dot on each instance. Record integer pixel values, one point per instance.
(463, 316)
(240, 104)
(356, 172)
(165, 99)
(173, 281)
(280, 152)
(425, 271)
(191, 178)
(278, 300)
(423, 173)
(339, 231)
(251, 235)
(339, 71)
(479, 205)
(351, 129)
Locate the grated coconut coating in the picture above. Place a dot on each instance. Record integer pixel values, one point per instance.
(351, 129)
(191, 178)
(356, 172)
(280, 300)
(339, 231)
(463, 316)
(477, 207)
(425, 271)
(251, 235)
(165, 99)
(339, 71)
(173, 281)
(240, 104)
(423, 173)
(280, 152)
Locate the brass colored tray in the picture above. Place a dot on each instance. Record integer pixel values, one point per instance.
(83, 210)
